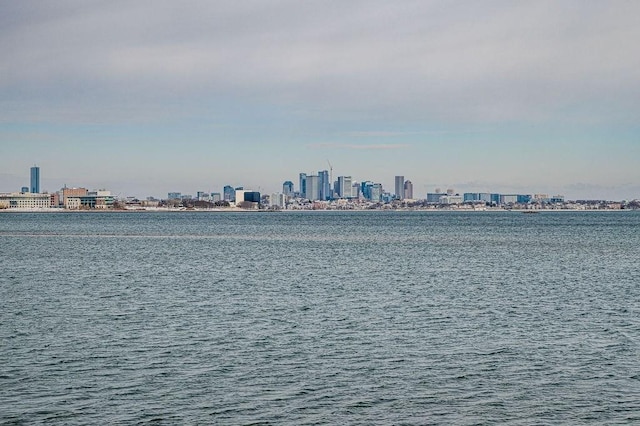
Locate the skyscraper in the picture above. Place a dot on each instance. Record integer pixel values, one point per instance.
(400, 187)
(303, 185)
(408, 190)
(324, 185)
(287, 188)
(313, 188)
(376, 192)
(344, 187)
(365, 188)
(35, 180)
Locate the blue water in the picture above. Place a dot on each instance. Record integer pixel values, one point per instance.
(320, 318)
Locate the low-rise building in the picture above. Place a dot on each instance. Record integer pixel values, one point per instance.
(25, 200)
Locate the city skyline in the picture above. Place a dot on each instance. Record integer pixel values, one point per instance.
(312, 186)
(513, 97)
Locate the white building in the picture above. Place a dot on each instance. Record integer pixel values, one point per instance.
(451, 199)
(240, 195)
(277, 199)
(508, 199)
(25, 200)
(345, 185)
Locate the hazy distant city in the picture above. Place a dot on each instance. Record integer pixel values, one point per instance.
(312, 191)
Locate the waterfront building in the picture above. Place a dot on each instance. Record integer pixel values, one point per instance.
(76, 199)
(303, 185)
(470, 197)
(508, 199)
(557, 199)
(251, 196)
(239, 195)
(408, 190)
(477, 196)
(215, 197)
(451, 199)
(73, 192)
(54, 199)
(484, 196)
(72, 203)
(174, 196)
(287, 188)
(35, 180)
(228, 193)
(434, 197)
(25, 200)
(312, 191)
(100, 199)
(399, 187)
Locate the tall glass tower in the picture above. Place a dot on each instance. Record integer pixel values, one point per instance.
(35, 180)
(324, 185)
(399, 181)
(303, 185)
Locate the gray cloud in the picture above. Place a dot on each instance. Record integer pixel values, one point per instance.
(412, 60)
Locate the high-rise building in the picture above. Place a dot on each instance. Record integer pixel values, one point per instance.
(35, 180)
(228, 193)
(303, 185)
(408, 190)
(312, 191)
(399, 187)
(324, 185)
(376, 192)
(365, 187)
(355, 190)
(239, 195)
(287, 188)
(344, 187)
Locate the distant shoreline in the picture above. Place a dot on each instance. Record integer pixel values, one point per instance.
(231, 210)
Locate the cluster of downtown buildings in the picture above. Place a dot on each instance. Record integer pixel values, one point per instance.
(314, 191)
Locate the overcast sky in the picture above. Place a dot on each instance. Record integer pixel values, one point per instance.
(150, 97)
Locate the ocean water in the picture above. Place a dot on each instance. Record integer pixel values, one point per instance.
(320, 318)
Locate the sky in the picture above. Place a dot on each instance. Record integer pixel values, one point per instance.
(150, 97)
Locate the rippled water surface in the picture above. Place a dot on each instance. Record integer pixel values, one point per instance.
(311, 318)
